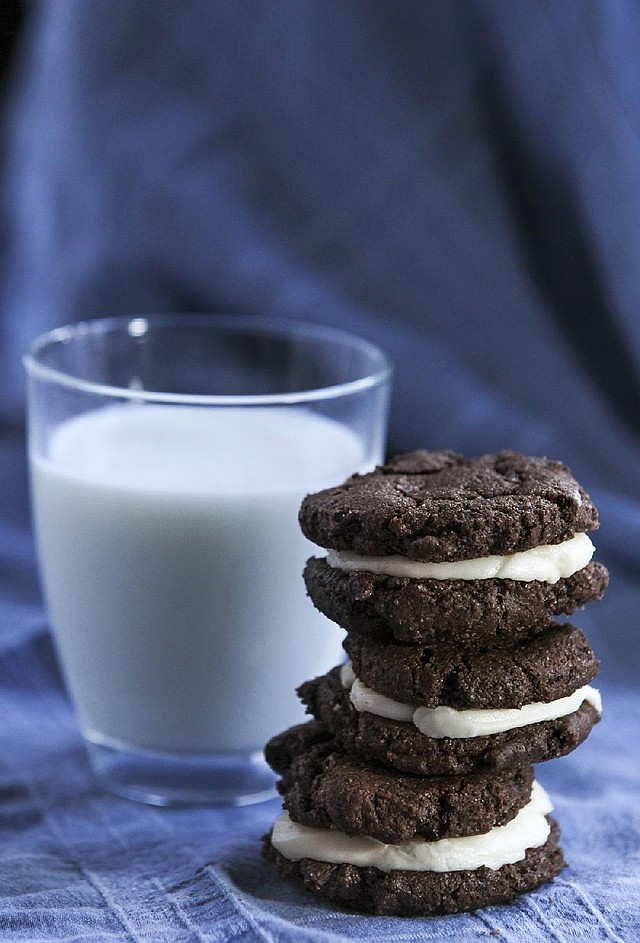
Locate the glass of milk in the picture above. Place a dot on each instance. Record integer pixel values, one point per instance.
(169, 455)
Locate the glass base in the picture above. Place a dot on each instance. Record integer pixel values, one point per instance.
(181, 779)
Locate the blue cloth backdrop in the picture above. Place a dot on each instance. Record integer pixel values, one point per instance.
(457, 182)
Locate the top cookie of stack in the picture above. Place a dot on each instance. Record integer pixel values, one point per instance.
(433, 548)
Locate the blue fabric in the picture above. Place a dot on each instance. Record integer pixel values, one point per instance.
(457, 182)
(77, 864)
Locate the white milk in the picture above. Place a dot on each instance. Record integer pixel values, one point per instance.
(172, 562)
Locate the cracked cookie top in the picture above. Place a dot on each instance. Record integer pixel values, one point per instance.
(440, 506)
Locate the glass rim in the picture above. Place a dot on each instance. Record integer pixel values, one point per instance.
(137, 326)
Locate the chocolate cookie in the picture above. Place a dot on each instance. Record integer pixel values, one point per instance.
(439, 506)
(401, 745)
(462, 612)
(552, 665)
(281, 750)
(422, 893)
(325, 788)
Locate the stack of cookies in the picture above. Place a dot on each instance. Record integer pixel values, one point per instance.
(412, 790)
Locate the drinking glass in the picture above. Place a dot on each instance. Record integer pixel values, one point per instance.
(169, 455)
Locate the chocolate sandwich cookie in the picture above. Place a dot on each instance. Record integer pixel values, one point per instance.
(414, 894)
(411, 893)
(433, 548)
(446, 611)
(323, 787)
(418, 877)
(411, 791)
(441, 507)
(404, 746)
(552, 665)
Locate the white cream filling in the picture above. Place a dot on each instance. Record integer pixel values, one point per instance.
(441, 722)
(504, 844)
(547, 563)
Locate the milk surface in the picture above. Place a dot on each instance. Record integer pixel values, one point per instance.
(172, 558)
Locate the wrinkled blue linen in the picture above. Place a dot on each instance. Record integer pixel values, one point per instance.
(457, 182)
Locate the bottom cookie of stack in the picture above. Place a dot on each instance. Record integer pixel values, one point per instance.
(445, 853)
